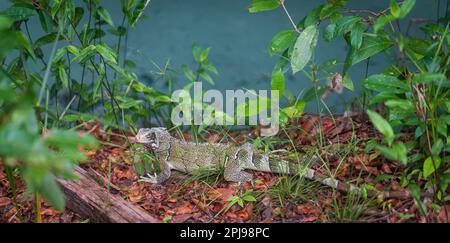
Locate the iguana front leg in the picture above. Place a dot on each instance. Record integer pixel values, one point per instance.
(161, 176)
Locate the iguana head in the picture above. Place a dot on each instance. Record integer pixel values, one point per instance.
(150, 137)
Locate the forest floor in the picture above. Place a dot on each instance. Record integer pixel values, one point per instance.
(339, 141)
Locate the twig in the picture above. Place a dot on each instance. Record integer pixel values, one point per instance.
(376, 14)
(289, 16)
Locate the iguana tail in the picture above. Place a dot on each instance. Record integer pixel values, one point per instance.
(270, 163)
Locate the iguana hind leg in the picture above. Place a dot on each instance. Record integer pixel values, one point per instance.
(234, 170)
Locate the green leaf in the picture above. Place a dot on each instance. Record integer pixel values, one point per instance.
(389, 153)
(278, 82)
(313, 93)
(240, 202)
(356, 36)
(382, 177)
(385, 83)
(415, 190)
(5, 23)
(425, 78)
(401, 104)
(437, 147)
(370, 46)
(312, 18)
(406, 8)
(22, 40)
(263, 5)
(105, 16)
(63, 76)
(398, 152)
(381, 125)
(69, 139)
(84, 53)
(139, 11)
(395, 9)
(382, 96)
(196, 51)
(73, 50)
(348, 83)
(345, 24)
(204, 54)
(281, 41)
(401, 151)
(429, 167)
(18, 13)
(296, 110)
(330, 32)
(79, 12)
(303, 48)
(330, 9)
(51, 192)
(106, 52)
(249, 198)
(188, 73)
(206, 77)
(382, 21)
(46, 39)
(210, 67)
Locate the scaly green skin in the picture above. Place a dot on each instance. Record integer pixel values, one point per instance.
(172, 153)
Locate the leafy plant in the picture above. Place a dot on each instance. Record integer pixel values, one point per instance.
(38, 159)
(415, 96)
(239, 200)
(351, 207)
(36, 110)
(413, 92)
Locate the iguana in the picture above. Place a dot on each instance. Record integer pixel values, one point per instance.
(172, 153)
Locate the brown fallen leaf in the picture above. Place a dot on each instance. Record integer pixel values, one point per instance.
(243, 214)
(4, 201)
(221, 193)
(184, 209)
(48, 212)
(135, 194)
(172, 200)
(444, 214)
(90, 153)
(213, 138)
(386, 168)
(181, 218)
(309, 219)
(305, 128)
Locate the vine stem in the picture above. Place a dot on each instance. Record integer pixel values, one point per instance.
(37, 209)
(289, 16)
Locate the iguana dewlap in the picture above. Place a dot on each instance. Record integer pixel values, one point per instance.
(172, 153)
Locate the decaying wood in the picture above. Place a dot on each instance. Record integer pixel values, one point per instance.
(87, 198)
(101, 180)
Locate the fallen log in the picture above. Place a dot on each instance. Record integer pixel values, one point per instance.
(87, 198)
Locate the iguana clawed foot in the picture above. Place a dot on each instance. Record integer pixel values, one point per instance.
(149, 178)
